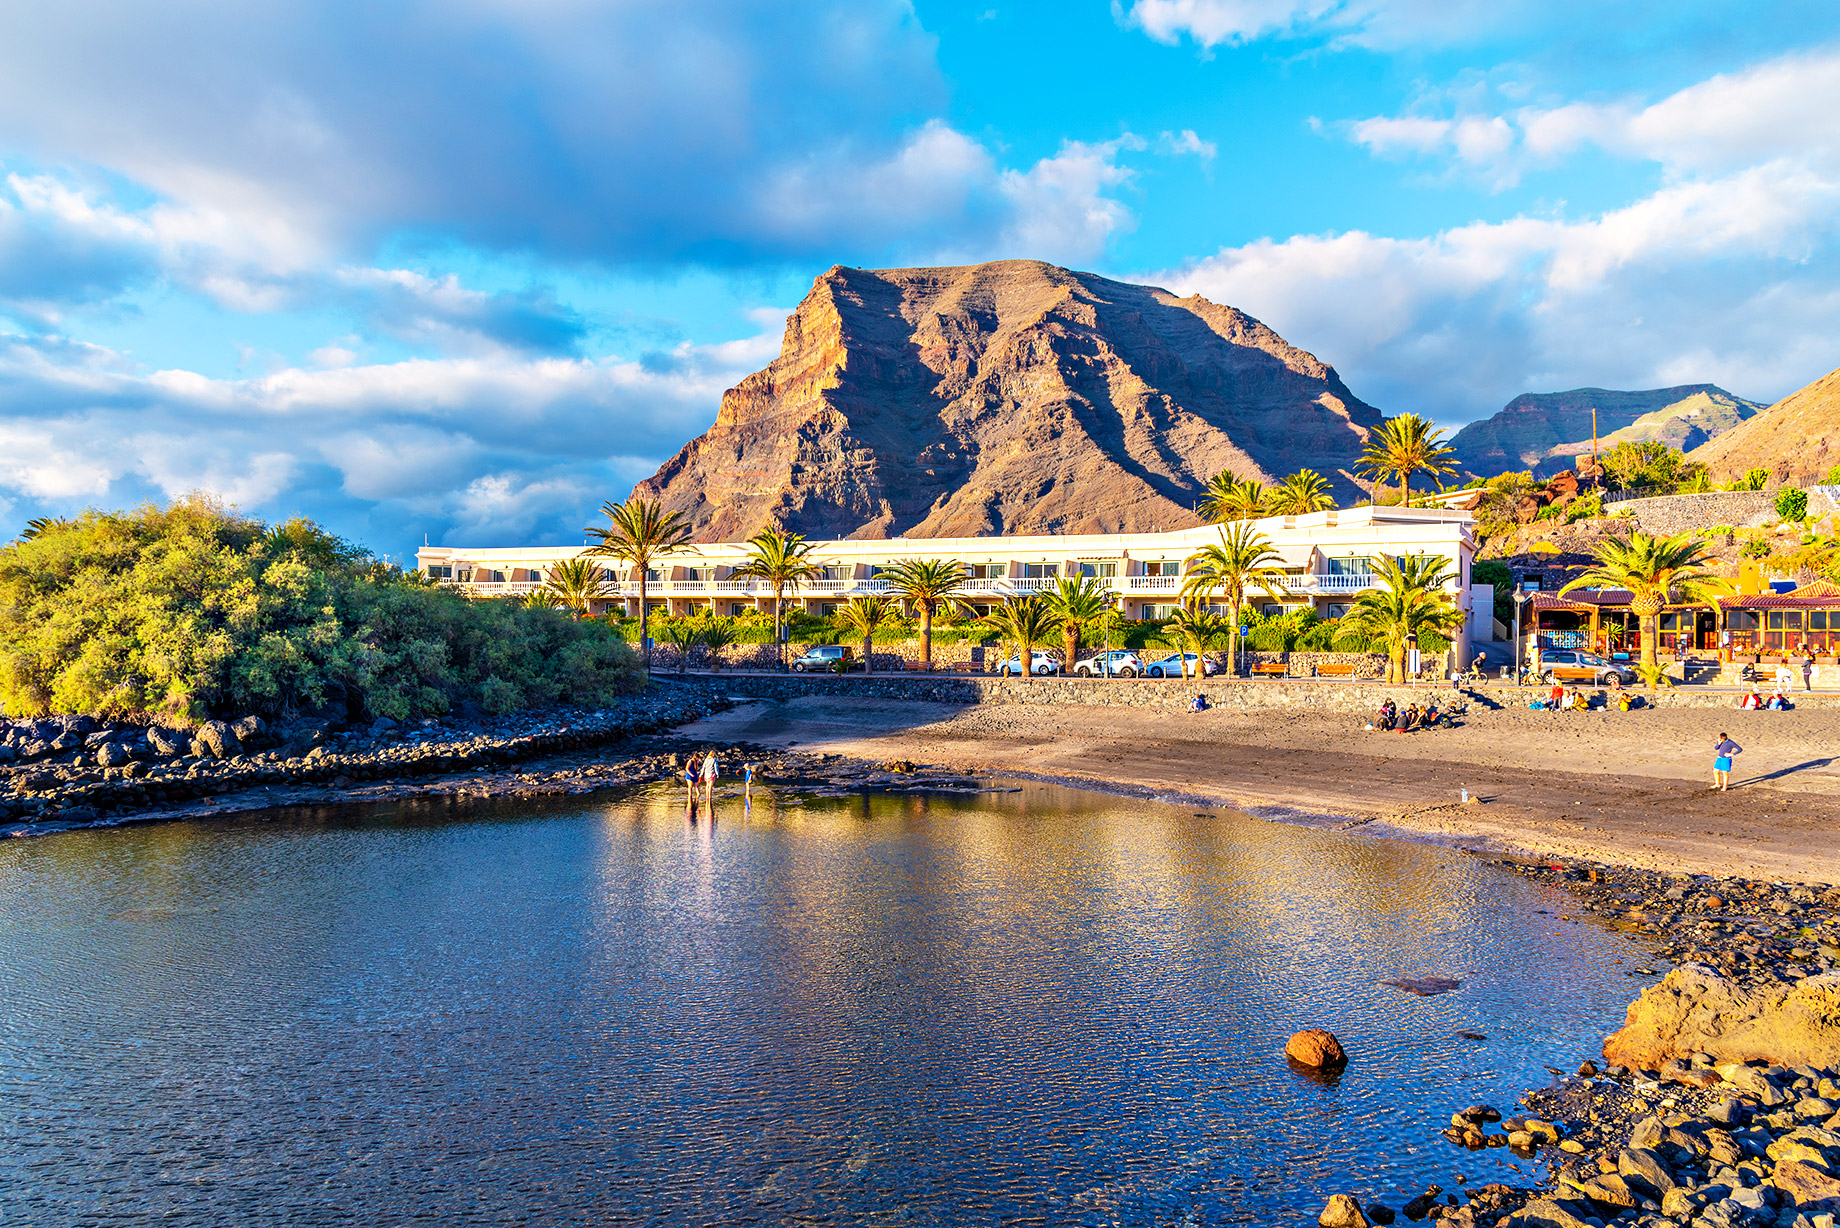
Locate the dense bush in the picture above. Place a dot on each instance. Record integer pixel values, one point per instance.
(191, 611)
(1791, 504)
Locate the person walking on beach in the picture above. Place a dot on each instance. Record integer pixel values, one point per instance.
(1807, 669)
(1721, 763)
(711, 770)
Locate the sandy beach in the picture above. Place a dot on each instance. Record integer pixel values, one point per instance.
(1627, 788)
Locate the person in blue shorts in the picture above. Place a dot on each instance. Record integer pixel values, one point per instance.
(1721, 763)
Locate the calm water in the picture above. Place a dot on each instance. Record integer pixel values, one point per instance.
(1039, 1007)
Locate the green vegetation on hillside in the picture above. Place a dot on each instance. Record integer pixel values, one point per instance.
(191, 611)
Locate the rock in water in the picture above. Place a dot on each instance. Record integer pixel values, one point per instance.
(1010, 397)
(1317, 1049)
(1342, 1212)
(1695, 1010)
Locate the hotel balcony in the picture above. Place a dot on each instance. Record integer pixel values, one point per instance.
(1010, 586)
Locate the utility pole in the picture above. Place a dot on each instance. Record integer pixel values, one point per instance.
(1597, 473)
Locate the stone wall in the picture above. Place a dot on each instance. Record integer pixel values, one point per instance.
(1677, 513)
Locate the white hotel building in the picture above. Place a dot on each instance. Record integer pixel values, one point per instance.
(1328, 558)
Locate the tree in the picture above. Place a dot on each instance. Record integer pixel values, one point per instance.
(718, 633)
(1243, 559)
(1403, 446)
(864, 616)
(639, 532)
(783, 560)
(1753, 479)
(1227, 499)
(1411, 601)
(683, 634)
(576, 582)
(1301, 493)
(542, 599)
(1791, 504)
(1657, 571)
(38, 526)
(1076, 603)
(1639, 463)
(1024, 622)
(1194, 627)
(930, 586)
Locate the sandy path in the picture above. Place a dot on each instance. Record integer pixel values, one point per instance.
(1622, 787)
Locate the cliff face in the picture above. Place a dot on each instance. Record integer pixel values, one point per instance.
(1006, 397)
(1797, 439)
(1547, 431)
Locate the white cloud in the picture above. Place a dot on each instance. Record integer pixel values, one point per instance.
(1187, 141)
(1061, 212)
(1211, 23)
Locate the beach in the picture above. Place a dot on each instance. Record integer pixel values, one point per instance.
(1624, 788)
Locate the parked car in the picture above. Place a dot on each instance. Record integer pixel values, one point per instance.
(1119, 662)
(824, 658)
(1040, 663)
(1171, 666)
(1570, 665)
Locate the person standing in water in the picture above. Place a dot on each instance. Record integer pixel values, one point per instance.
(711, 769)
(747, 783)
(1721, 763)
(690, 774)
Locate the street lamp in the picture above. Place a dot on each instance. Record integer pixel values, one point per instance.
(1521, 598)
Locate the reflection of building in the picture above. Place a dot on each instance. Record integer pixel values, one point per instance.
(1600, 620)
(1328, 558)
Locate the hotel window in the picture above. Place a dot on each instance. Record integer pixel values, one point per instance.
(1159, 611)
(827, 609)
(1099, 571)
(982, 610)
(692, 573)
(1040, 571)
(1335, 609)
(1272, 611)
(834, 572)
(1163, 567)
(653, 575)
(440, 573)
(1352, 565)
(986, 571)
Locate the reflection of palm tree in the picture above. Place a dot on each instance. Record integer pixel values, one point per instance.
(1077, 602)
(639, 532)
(576, 582)
(1658, 572)
(1411, 602)
(864, 616)
(1243, 559)
(930, 586)
(783, 560)
(1025, 622)
(1300, 494)
(1403, 446)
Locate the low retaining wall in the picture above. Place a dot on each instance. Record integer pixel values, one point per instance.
(1171, 696)
(1669, 514)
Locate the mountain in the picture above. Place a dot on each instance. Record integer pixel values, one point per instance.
(1009, 397)
(1545, 431)
(1797, 439)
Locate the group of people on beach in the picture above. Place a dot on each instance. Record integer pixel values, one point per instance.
(1779, 701)
(1563, 698)
(1393, 719)
(705, 769)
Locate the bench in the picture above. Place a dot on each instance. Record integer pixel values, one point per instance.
(1272, 669)
(1335, 669)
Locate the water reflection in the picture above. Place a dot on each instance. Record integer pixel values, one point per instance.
(1043, 1005)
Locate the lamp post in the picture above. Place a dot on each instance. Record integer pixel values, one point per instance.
(1521, 598)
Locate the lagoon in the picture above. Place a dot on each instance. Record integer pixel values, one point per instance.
(1038, 1006)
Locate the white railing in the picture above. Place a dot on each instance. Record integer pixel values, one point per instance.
(997, 586)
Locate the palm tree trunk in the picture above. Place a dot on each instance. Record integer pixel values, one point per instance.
(868, 655)
(1396, 663)
(1405, 487)
(926, 636)
(1233, 639)
(645, 640)
(1070, 645)
(779, 638)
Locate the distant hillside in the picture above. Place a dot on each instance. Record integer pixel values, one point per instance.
(1797, 439)
(1013, 397)
(1546, 431)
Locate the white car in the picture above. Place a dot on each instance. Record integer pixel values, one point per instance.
(1040, 663)
(1121, 662)
(1171, 666)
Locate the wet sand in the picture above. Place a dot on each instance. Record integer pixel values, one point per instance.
(1629, 788)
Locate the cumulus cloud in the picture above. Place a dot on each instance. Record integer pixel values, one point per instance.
(501, 444)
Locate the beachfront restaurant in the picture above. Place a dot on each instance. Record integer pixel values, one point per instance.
(1800, 620)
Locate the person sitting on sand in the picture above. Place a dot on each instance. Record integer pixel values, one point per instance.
(1751, 702)
(1432, 715)
(1623, 700)
(1578, 703)
(1408, 720)
(1198, 704)
(1779, 702)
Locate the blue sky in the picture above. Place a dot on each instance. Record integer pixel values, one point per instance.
(466, 270)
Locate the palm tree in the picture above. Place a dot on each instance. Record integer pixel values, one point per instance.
(1243, 559)
(639, 532)
(929, 585)
(1657, 571)
(542, 599)
(38, 526)
(1411, 602)
(783, 560)
(1194, 627)
(1300, 494)
(1227, 498)
(683, 634)
(864, 616)
(1025, 622)
(576, 582)
(1403, 446)
(718, 633)
(1077, 602)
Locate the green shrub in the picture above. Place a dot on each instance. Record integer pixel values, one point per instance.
(1755, 547)
(190, 611)
(1791, 504)
(1584, 508)
(1832, 478)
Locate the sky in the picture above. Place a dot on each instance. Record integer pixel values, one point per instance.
(462, 272)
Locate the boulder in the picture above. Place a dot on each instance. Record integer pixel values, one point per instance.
(218, 739)
(167, 742)
(1316, 1049)
(1342, 1212)
(113, 754)
(7, 752)
(1695, 1010)
(251, 732)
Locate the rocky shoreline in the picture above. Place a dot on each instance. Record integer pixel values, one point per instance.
(1718, 1102)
